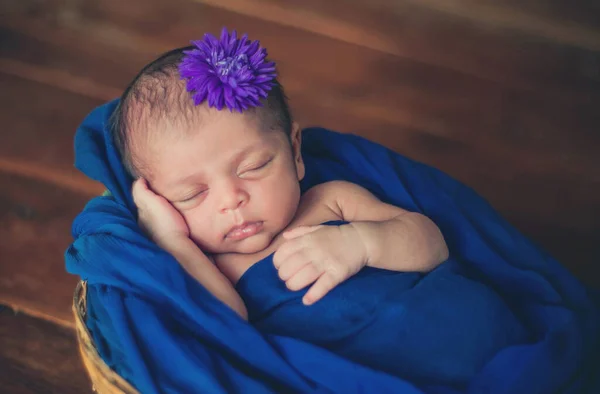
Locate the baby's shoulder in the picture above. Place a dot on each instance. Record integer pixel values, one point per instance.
(331, 194)
(320, 203)
(332, 189)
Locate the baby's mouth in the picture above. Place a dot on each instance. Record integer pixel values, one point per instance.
(244, 230)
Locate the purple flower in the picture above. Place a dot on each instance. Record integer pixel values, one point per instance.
(228, 72)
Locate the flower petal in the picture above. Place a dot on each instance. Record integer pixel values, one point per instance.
(253, 48)
(241, 92)
(224, 39)
(229, 96)
(227, 71)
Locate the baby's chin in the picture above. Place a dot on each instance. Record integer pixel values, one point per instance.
(254, 244)
(251, 245)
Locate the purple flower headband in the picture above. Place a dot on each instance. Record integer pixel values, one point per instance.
(228, 72)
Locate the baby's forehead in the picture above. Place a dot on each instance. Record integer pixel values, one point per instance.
(205, 121)
(163, 110)
(159, 102)
(219, 140)
(208, 127)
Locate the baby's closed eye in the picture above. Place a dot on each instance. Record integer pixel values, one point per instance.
(190, 199)
(252, 168)
(193, 195)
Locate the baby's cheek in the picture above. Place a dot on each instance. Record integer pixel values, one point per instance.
(206, 244)
(283, 207)
(202, 230)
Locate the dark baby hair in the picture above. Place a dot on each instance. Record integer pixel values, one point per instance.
(155, 94)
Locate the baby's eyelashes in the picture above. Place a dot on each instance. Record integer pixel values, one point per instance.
(255, 167)
(191, 197)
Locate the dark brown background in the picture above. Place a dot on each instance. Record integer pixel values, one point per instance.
(503, 95)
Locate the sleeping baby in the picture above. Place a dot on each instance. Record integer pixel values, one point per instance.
(208, 136)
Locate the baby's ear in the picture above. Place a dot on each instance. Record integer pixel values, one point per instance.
(296, 139)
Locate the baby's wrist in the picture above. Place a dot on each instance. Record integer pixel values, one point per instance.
(362, 238)
(172, 242)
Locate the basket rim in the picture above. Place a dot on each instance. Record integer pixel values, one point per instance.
(104, 379)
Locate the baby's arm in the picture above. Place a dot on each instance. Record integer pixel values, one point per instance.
(394, 239)
(168, 229)
(378, 234)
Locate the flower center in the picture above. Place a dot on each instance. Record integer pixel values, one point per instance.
(229, 65)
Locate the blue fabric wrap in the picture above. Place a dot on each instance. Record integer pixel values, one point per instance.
(392, 321)
(163, 332)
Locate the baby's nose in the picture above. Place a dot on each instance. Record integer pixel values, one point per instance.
(233, 200)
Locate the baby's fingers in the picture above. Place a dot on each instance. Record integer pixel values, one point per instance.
(322, 286)
(304, 277)
(292, 265)
(300, 231)
(286, 251)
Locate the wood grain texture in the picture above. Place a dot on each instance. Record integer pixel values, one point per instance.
(37, 140)
(35, 220)
(467, 36)
(40, 121)
(39, 357)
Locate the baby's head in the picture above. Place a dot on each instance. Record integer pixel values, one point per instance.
(233, 176)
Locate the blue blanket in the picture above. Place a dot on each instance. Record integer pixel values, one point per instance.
(390, 321)
(163, 332)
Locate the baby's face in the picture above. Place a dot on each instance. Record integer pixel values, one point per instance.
(237, 186)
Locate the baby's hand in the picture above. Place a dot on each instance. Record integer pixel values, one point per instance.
(157, 217)
(326, 255)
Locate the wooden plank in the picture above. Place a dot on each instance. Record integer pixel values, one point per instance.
(584, 13)
(493, 40)
(107, 68)
(41, 146)
(46, 138)
(37, 356)
(407, 30)
(35, 232)
(572, 23)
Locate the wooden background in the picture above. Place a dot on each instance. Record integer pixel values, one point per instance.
(503, 95)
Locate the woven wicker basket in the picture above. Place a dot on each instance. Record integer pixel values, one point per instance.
(104, 379)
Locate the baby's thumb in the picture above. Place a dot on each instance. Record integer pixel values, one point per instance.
(300, 231)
